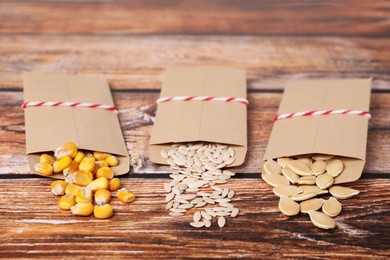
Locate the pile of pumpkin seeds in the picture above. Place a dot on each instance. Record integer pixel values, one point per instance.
(198, 181)
(312, 176)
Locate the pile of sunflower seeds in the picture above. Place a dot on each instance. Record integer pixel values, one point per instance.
(197, 182)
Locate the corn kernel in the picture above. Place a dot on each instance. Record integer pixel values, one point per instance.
(45, 158)
(87, 163)
(100, 155)
(58, 187)
(98, 184)
(105, 172)
(101, 163)
(83, 178)
(103, 211)
(84, 195)
(79, 157)
(112, 160)
(114, 184)
(66, 202)
(125, 196)
(44, 169)
(73, 167)
(72, 189)
(62, 164)
(67, 149)
(102, 197)
(82, 209)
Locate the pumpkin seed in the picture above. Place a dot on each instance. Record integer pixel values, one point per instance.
(307, 180)
(332, 207)
(324, 181)
(288, 206)
(312, 189)
(311, 204)
(322, 157)
(283, 161)
(275, 179)
(321, 220)
(303, 196)
(318, 167)
(300, 168)
(335, 167)
(290, 175)
(287, 190)
(341, 192)
(272, 167)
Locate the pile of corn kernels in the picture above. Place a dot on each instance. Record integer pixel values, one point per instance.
(88, 183)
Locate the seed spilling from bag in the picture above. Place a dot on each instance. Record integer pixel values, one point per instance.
(197, 174)
(314, 175)
(85, 173)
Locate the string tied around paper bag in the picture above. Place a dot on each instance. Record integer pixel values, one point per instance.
(324, 112)
(203, 98)
(68, 104)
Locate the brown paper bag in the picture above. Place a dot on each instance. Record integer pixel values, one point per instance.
(208, 121)
(90, 129)
(341, 135)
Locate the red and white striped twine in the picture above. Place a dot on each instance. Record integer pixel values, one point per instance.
(324, 112)
(203, 98)
(67, 104)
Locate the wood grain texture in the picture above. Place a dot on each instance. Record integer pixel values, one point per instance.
(138, 62)
(33, 226)
(271, 17)
(137, 112)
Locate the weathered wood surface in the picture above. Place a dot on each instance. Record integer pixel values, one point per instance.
(138, 62)
(137, 115)
(273, 17)
(35, 227)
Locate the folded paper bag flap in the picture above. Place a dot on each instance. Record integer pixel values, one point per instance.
(342, 135)
(207, 121)
(90, 129)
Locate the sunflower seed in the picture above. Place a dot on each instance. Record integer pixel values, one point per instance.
(175, 214)
(185, 206)
(164, 154)
(208, 200)
(222, 213)
(207, 223)
(206, 215)
(197, 216)
(221, 222)
(200, 204)
(230, 194)
(210, 212)
(225, 192)
(178, 210)
(170, 196)
(197, 224)
(167, 187)
(234, 213)
(169, 205)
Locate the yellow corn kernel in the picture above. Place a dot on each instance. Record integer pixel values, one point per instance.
(44, 169)
(82, 209)
(72, 189)
(73, 167)
(62, 164)
(45, 158)
(103, 211)
(100, 155)
(102, 197)
(58, 187)
(105, 172)
(114, 184)
(101, 163)
(66, 202)
(99, 184)
(112, 160)
(79, 157)
(84, 195)
(125, 196)
(83, 178)
(87, 163)
(67, 149)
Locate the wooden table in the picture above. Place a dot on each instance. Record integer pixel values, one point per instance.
(131, 43)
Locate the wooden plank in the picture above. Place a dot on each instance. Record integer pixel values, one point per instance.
(33, 226)
(138, 62)
(137, 115)
(276, 17)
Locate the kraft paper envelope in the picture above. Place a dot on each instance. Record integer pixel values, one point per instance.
(341, 135)
(90, 129)
(208, 121)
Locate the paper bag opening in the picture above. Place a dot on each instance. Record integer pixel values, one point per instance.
(201, 121)
(90, 129)
(340, 135)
